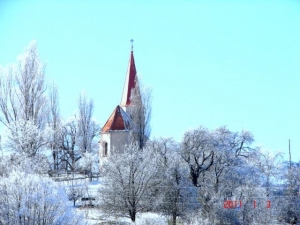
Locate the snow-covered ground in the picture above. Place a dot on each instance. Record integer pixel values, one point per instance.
(90, 189)
(96, 217)
(94, 214)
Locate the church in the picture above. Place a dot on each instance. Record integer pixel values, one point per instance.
(116, 131)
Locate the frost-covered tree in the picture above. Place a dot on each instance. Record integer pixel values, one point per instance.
(130, 182)
(23, 103)
(30, 199)
(163, 148)
(289, 210)
(88, 129)
(23, 136)
(214, 159)
(140, 113)
(75, 192)
(22, 89)
(37, 164)
(270, 166)
(89, 162)
(230, 150)
(69, 151)
(179, 196)
(8, 99)
(54, 121)
(197, 151)
(78, 139)
(244, 188)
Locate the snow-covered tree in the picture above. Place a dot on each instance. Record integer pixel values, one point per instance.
(89, 162)
(69, 151)
(23, 104)
(289, 210)
(75, 192)
(179, 196)
(270, 166)
(54, 121)
(130, 182)
(8, 99)
(37, 164)
(22, 89)
(30, 199)
(32, 115)
(23, 136)
(78, 139)
(197, 151)
(230, 149)
(88, 129)
(140, 113)
(213, 158)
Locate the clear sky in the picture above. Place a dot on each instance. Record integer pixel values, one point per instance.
(209, 63)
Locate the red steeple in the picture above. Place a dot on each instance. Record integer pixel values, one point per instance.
(130, 81)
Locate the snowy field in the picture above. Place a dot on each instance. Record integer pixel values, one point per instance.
(94, 214)
(90, 189)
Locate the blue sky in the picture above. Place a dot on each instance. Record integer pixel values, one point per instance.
(209, 63)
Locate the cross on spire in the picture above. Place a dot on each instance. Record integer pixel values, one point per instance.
(131, 44)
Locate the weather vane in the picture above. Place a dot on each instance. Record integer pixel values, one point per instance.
(131, 44)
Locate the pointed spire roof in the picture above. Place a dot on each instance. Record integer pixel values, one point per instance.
(118, 120)
(130, 81)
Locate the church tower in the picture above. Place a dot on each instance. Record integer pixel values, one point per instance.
(116, 131)
(131, 82)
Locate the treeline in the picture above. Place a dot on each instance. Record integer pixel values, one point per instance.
(38, 141)
(29, 109)
(210, 177)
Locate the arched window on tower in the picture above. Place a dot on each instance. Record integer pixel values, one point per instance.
(105, 149)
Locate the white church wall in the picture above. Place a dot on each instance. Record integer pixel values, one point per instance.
(118, 140)
(112, 141)
(104, 139)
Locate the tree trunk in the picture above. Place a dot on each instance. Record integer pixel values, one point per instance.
(132, 214)
(54, 160)
(194, 179)
(174, 218)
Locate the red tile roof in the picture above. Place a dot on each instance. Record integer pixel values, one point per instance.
(118, 120)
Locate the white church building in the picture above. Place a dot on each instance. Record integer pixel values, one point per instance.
(116, 131)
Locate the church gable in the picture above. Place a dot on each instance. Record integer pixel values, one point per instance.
(118, 120)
